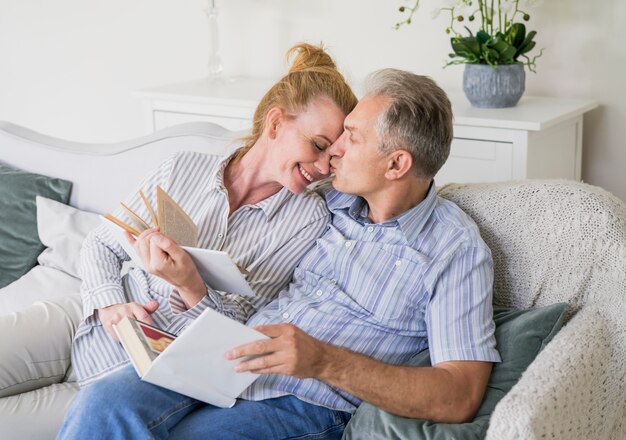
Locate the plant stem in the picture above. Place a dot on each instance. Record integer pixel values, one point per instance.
(485, 15)
(491, 19)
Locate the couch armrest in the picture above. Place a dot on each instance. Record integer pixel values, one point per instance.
(574, 389)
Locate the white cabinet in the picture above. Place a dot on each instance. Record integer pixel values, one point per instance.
(229, 102)
(539, 138)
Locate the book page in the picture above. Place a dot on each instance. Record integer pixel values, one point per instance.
(219, 271)
(195, 363)
(174, 222)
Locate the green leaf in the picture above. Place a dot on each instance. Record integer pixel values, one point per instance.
(516, 34)
(508, 56)
(466, 47)
(506, 52)
(527, 45)
(500, 45)
(482, 37)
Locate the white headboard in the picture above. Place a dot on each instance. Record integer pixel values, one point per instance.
(104, 174)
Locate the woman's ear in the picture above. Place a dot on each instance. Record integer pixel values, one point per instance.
(273, 120)
(399, 163)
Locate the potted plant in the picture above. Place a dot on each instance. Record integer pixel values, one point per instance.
(494, 53)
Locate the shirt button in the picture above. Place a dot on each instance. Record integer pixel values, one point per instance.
(220, 235)
(319, 293)
(370, 229)
(285, 315)
(398, 263)
(348, 244)
(333, 281)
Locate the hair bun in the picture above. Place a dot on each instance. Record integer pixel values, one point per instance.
(307, 57)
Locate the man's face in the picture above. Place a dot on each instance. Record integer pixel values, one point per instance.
(358, 166)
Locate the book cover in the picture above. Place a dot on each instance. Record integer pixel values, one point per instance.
(194, 363)
(143, 342)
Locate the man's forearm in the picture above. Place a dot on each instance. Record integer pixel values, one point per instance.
(449, 392)
(431, 393)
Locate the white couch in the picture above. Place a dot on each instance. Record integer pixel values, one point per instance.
(102, 176)
(552, 241)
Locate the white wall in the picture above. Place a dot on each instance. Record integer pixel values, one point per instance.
(68, 67)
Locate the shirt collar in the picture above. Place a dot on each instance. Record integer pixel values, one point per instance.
(411, 222)
(272, 204)
(217, 180)
(269, 206)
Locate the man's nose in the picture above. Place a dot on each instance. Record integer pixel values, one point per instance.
(336, 148)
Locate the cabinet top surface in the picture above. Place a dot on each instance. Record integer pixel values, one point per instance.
(229, 90)
(531, 113)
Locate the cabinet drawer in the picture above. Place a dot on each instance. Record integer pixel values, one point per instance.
(473, 160)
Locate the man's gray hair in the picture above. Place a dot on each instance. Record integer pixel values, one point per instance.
(418, 119)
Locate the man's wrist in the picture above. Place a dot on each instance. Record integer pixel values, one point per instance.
(333, 362)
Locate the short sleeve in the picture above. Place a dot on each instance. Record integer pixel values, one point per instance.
(459, 316)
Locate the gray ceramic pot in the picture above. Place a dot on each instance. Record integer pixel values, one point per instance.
(489, 87)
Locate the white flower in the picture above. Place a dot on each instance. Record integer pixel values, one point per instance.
(435, 13)
(450, 3)
(507, 6)
(464, 11)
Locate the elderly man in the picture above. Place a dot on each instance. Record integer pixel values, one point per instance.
(398, 270)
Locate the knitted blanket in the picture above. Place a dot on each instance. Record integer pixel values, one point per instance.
(559, 241)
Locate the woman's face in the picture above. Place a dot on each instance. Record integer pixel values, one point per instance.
(301, 144)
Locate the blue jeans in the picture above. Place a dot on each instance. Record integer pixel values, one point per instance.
(121, 406)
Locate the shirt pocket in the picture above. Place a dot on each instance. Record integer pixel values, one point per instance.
(386, 281)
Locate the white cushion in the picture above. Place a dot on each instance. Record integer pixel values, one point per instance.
(62, 230)
(39, 284)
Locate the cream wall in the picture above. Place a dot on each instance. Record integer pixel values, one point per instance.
(68, 67)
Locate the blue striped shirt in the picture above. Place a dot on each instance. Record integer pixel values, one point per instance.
(420, 280)
(268, 239)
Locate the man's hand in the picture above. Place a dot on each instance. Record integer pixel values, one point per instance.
(164, 258)
(113, 314)
(290, 351)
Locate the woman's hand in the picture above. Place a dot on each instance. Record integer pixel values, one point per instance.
(164, 258)
(113, 314)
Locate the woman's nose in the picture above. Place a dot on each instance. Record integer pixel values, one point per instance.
(323, 163)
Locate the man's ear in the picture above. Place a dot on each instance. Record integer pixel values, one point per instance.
(273, 120)
(399, 163)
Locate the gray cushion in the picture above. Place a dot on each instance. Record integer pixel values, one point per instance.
(19, 242)
(520, 336)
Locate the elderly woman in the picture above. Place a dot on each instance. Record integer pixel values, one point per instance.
(255, 205)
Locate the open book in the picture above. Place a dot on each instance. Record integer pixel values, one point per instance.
(216, 268)
(172, 220)
(194, 363)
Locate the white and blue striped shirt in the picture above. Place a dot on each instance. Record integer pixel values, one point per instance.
(420, 280)
(268, 239)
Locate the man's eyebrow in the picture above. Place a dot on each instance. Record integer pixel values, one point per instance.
(353, 130)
